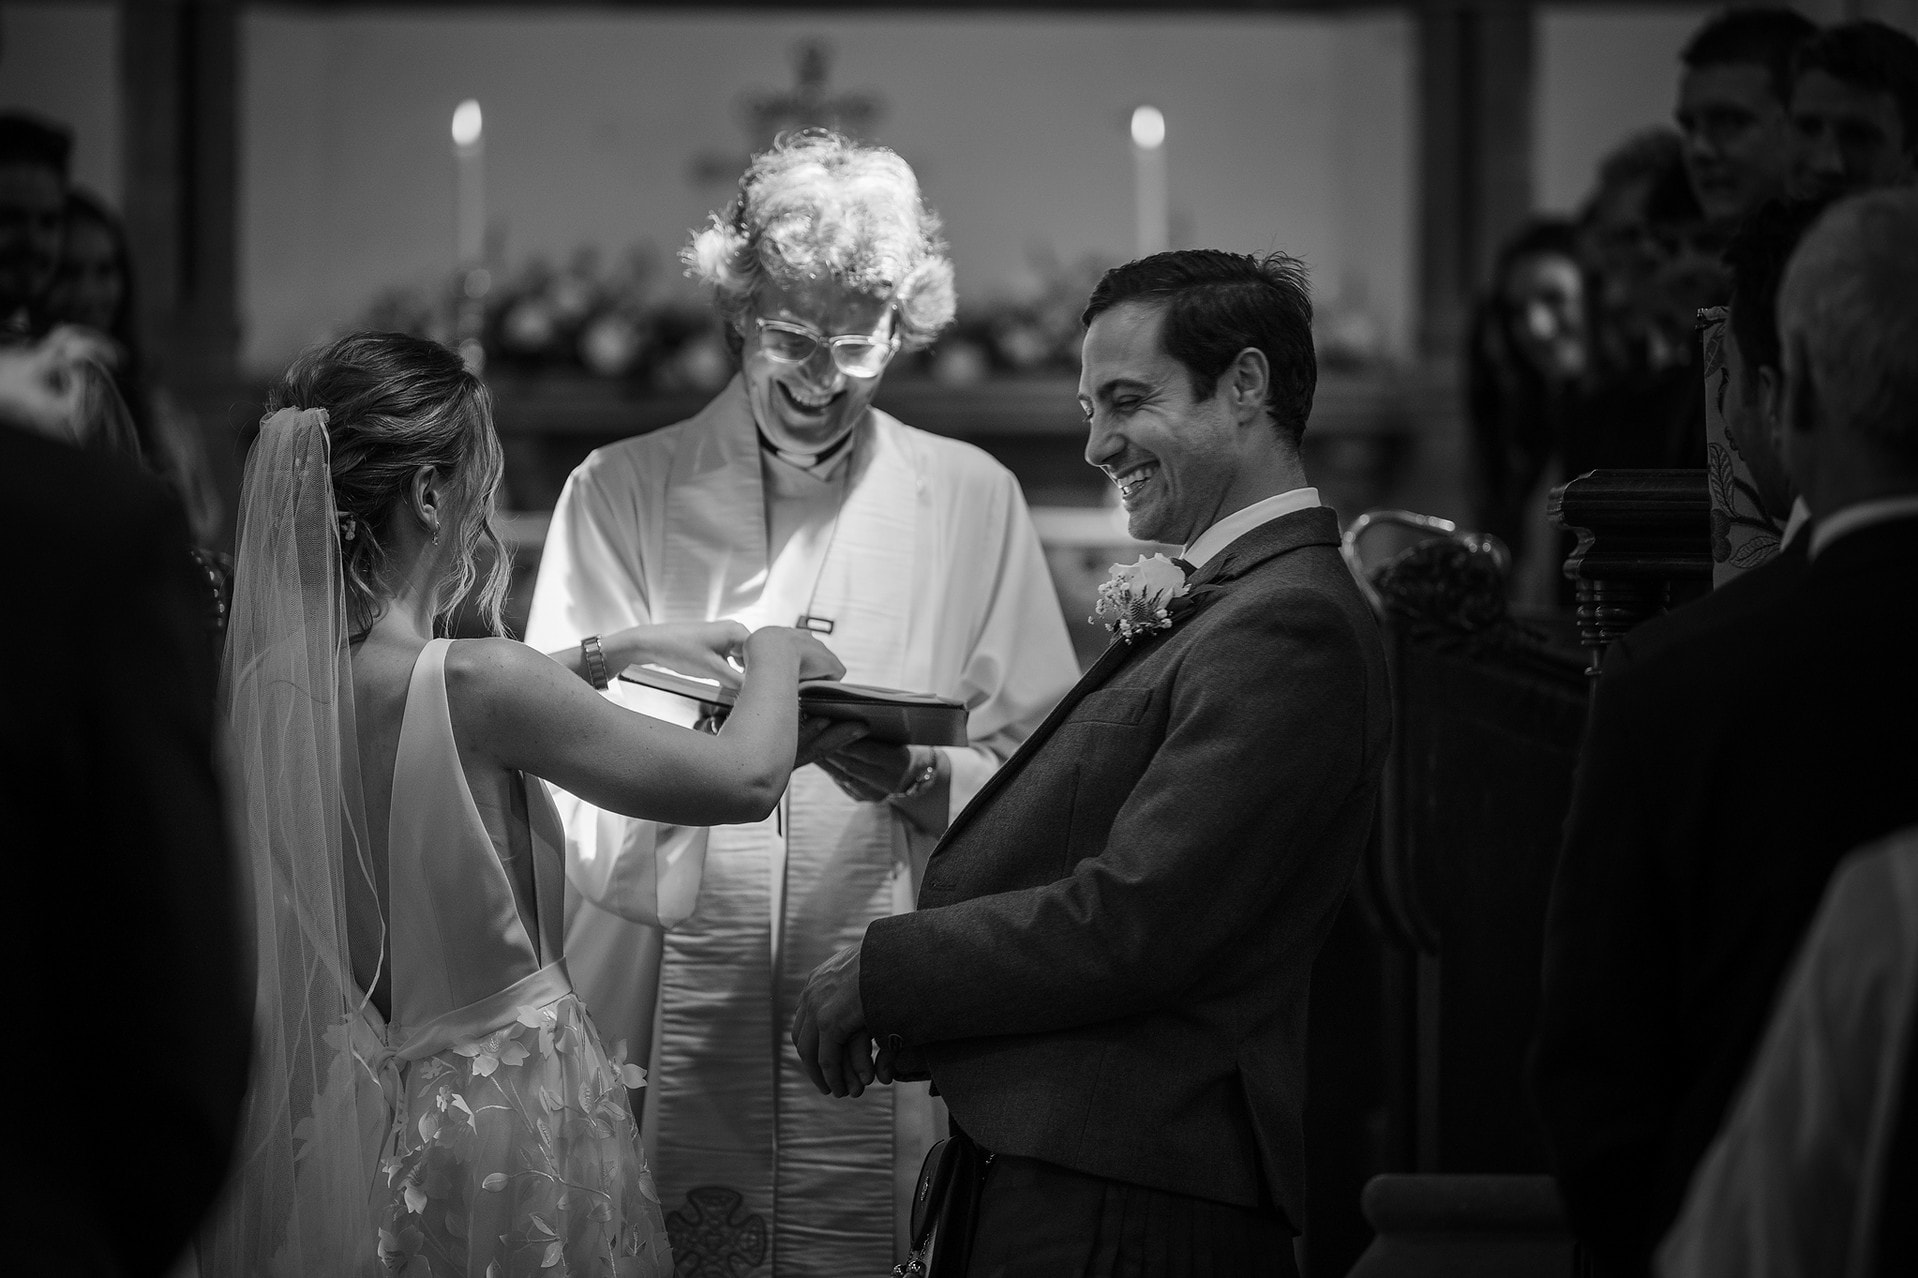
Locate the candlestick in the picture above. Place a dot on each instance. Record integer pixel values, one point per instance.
(469, 153)
(1151, 194)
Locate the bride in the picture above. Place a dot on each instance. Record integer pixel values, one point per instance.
(429, 1096)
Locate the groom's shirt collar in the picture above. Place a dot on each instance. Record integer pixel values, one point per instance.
(1240, 522)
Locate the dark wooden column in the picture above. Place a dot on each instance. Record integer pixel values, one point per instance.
(1475, 152)
(179, 72)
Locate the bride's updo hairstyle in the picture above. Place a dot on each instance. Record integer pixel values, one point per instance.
(818, 205)
(394, 404)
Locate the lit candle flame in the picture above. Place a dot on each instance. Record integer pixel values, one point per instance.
(1148, 127)
(466, 123)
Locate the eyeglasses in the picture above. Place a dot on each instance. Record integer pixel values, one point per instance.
(855, 354)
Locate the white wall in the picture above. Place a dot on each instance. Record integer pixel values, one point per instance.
(59, 60)
(1017, 126)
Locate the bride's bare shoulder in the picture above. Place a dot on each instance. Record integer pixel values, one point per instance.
(493, 670)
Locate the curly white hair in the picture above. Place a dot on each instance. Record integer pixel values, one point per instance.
(818, 204)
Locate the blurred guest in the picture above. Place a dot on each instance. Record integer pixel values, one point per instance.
(94, 287)
(1749, 394)
(1854, 108)
(1802, 1181)
(1750, 399)
(1726, 770)
(791, 500)
(123, 890)
(93, 284)
(33, 192)
(1646, 244)
(1731, 109)
(1527, 375)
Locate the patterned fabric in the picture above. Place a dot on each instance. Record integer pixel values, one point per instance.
(516, 1154)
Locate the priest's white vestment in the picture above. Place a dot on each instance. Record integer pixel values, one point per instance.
(933, 580)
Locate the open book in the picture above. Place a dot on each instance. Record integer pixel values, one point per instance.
(899, 718)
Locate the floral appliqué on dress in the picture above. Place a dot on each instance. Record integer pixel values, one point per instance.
(512, 1159)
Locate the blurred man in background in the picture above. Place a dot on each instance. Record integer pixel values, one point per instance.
(1732, 100)
(1854, 108)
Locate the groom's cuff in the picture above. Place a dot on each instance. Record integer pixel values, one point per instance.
(882, 973)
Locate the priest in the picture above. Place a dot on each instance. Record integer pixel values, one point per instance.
(790, 500)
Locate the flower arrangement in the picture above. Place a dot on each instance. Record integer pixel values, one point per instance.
(1139, 597)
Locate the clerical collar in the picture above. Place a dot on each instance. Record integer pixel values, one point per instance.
(808, 461)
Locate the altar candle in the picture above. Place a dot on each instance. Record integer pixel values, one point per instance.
(1151, 195)
(469, 210)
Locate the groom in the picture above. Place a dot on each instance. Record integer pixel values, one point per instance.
(1107, 973)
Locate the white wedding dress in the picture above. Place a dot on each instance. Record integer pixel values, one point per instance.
(513, 1149)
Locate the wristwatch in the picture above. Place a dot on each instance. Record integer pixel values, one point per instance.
(922, 780)
(592, 659)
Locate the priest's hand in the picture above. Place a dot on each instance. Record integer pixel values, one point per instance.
(820, 737)
(871, 771)
(829, 1027)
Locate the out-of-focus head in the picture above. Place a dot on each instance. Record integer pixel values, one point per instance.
(826, 239)
(1539, 297)
(1748, 391)
(1182, 349)
(33, 194)
(93, 285)
(1848, 324)
(403, 413)
(1642, 203)
(1854, 110)
(62, 385)
(1732, 100)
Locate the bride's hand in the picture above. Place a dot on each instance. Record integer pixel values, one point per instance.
(699, 649)
(815, 658)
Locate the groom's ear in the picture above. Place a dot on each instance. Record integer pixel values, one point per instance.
(1246, 382)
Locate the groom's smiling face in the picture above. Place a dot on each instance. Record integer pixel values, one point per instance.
(1171, 454)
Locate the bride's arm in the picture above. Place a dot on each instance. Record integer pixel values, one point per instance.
(524, 710)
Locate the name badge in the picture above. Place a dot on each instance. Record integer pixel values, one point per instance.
(818, 625)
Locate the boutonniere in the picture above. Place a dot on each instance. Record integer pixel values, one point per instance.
(1139, 596)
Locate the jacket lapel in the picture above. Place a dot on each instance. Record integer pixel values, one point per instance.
(1316, 526)
(1109, 661)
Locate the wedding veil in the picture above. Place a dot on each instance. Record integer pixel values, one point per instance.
(299, 1201)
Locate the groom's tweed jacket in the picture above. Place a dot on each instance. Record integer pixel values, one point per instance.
(1109, 964)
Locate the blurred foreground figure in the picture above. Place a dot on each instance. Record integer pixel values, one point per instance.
(790, 500)
(1728, 768)
(1813, 1175)
(123, 891)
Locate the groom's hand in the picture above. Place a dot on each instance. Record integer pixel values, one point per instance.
(829, 1027)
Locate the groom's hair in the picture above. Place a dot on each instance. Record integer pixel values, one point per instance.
(1217, 304)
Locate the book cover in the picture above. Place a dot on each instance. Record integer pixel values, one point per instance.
(890, 715)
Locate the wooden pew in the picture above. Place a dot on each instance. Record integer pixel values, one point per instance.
(1425, 996)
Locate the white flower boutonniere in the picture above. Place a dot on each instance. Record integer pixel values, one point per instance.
(1138, 596)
